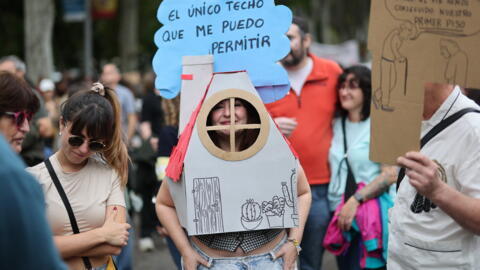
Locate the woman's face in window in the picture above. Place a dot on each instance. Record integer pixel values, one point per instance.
(221, 113)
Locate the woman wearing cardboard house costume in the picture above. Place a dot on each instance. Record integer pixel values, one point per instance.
(263, 249)
(91, 167)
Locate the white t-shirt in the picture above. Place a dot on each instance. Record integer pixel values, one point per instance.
(433, 240)
(299, 77)
(89, 192)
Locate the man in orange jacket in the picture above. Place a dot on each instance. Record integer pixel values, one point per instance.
(305, 116)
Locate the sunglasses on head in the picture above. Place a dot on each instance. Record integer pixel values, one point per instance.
(77, 141)
(19, 117)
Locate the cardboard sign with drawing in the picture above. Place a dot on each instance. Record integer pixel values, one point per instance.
(248, 181)
(414, 42)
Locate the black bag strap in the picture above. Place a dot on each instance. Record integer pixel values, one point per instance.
(71, 215)
(434, 131)
(351, 185)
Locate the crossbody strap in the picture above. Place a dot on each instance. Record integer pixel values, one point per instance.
(434, 131)
(351, 185)
(71, 215)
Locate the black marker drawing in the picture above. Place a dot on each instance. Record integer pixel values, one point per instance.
(251, 215)
(207, 205)
(393, 66)
(456, 69)
(290, 195)
(275, 211)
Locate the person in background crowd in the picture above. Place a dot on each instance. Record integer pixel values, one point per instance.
(42, 127)
(435, 221)
(305, 117)
(150, 130)
(17, 106)
(256, 250)
(91, 166)
(171, 109)
(47, 88)
(351, 167)
(111, 77)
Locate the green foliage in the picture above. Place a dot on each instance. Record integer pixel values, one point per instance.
(11, 28)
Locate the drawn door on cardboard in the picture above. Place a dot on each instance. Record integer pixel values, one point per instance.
(207, 205)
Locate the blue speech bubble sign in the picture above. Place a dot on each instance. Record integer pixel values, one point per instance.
(242, 35)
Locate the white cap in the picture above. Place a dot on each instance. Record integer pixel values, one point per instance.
(46, 85)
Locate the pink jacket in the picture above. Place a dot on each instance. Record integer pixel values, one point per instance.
(368, 221)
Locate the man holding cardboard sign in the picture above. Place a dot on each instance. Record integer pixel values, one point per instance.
(436, 217)
(305, 117)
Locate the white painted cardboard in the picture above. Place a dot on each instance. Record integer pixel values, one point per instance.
(219, 196)
(201, 68)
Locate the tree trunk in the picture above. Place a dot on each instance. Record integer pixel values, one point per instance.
(323, 10)
(128, 35)
(39, 18)
(315, 20)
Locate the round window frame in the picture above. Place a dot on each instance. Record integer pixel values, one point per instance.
(264, 125)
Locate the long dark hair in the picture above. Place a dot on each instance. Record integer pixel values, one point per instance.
(16, 95)
(364, 78)
(100, 116)
(247, 136)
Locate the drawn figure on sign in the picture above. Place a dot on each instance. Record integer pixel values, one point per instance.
(393, 66)
(457, 62)
(275, 211)
(289, 193)
(208, 205)
(251, 215)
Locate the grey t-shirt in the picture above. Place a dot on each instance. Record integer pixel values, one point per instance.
(127, 102)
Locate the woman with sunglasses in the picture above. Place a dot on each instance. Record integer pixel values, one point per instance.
(17, 105)
(91, 167)
(351, 167)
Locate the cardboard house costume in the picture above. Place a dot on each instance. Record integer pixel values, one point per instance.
(217, 191)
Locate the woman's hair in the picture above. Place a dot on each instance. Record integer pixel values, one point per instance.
(248, 136)
(362, 75)
(16, 95)
(99, 113)
(171, 111)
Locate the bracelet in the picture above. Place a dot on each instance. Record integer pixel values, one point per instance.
(296, 244)
(359, 197)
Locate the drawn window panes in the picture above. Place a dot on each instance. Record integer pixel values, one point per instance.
(233, 124)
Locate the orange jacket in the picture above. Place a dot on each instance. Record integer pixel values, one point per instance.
(314, 110)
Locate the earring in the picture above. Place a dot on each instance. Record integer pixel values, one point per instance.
(60, 133)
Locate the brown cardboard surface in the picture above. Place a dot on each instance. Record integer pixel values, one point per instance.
(414, 42)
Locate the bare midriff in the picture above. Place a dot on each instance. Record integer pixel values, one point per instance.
(216, 253)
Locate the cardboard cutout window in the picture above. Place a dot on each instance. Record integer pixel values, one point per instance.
(235, 119)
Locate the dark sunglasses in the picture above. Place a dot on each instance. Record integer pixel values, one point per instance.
(19, 117)
(350, 84)
(77, 141)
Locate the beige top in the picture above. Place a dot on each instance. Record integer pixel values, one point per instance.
(89, 191)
